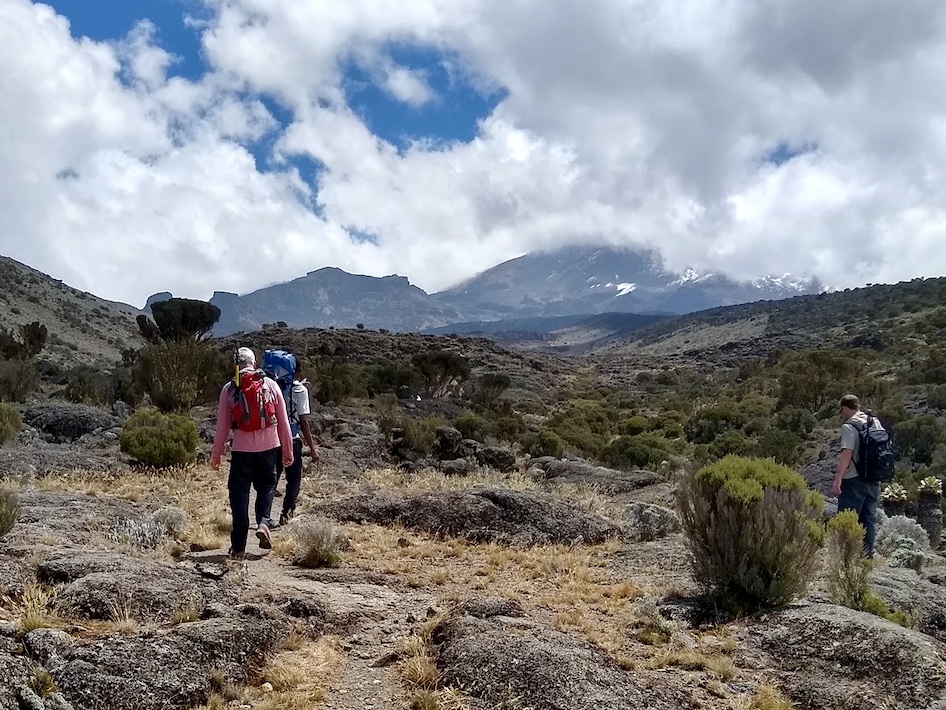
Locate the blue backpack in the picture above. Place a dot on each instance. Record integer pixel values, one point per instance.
(280, 365)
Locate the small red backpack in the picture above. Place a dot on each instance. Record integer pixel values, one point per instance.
(254, 404)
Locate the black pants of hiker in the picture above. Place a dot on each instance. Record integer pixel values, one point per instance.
(861, 496)
(256, 468)
(293, 480)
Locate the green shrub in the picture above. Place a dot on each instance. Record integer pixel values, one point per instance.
(781, 445)
(180, 374)
(641, 451)
(753, 530)
(731, 443)
(796, 420)
(85, 385)
(159, 440)
(10, 423)
(421, 434)
(849, 569)
(633, 426)
(546, 443)
(708, 423)
(18, 378)
(9, 511)
(471, 426)
(508, 428)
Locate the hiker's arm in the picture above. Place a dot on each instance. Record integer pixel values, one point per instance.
(282, 426)
(307, 435)
(844, 463)
(223, 429)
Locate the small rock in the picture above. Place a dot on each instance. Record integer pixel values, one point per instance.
(266, 687)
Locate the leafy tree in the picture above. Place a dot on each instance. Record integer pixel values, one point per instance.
(180, 319)
(708, 423)
(30, 343)
(918, 437)
(811, 378)
(796, 420)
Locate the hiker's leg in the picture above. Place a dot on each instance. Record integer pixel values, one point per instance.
(293, 481)
(868, 517)
(852, 496)
(238, 485)
(264, 481)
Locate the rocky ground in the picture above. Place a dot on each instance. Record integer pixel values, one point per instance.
(549, 585)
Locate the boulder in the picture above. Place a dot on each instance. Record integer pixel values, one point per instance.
(112, 586)
(447, 444)
(169, 670)
(506, 662)
(480, 515)
(64, 422)
(906, 590)
(608, 480)
(830, 657)
(497, 458)
(648, 522)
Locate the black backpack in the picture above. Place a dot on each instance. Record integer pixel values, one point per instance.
(875, 456)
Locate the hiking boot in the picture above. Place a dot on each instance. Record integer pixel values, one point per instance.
(236, 556)
(285, 517)
(262, 532)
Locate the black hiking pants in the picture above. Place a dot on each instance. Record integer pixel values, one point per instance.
(293, 479)
(256, 468)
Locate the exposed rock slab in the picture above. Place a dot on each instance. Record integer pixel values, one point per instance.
(480, 515)
(503, 660)
(830, 657)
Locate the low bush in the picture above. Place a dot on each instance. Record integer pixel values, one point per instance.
(159, 440)
(420, 434)
(9, 511)
(753, 530)
(180, 374)
(642, 451)
(781, 445)
(18, 378)
(85, 385)
(173, 521)
(899, 527)
(471, 426)
(849, 569)
(546, 443)
(633, 426)
(317, 543)
(10, 423)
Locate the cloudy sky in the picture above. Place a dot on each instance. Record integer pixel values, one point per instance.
(200, 145)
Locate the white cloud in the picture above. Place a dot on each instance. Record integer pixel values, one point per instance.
(638, 122)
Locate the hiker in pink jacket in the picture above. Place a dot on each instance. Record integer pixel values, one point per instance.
(256, 414)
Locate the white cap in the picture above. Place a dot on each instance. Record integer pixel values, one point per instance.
(245, 357)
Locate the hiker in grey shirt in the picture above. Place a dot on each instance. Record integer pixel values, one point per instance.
(853, 492)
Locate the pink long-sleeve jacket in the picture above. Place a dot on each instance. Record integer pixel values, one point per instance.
(262, 440)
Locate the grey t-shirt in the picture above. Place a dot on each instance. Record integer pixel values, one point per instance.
(851, 439)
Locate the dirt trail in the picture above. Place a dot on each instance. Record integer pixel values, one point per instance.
(376, 620)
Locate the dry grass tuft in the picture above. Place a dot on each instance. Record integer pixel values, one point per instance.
(430, 479)
(317, 543)
(768, 698)
(696, 660)
(36, 609)
(9, 510)
(300, 675)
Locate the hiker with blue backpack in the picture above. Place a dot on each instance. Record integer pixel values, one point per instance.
(866, 461)
(282, 366)
(251, 406)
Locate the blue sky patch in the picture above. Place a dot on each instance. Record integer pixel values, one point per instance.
(451, 115)
(112, 20)
(784, 152)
